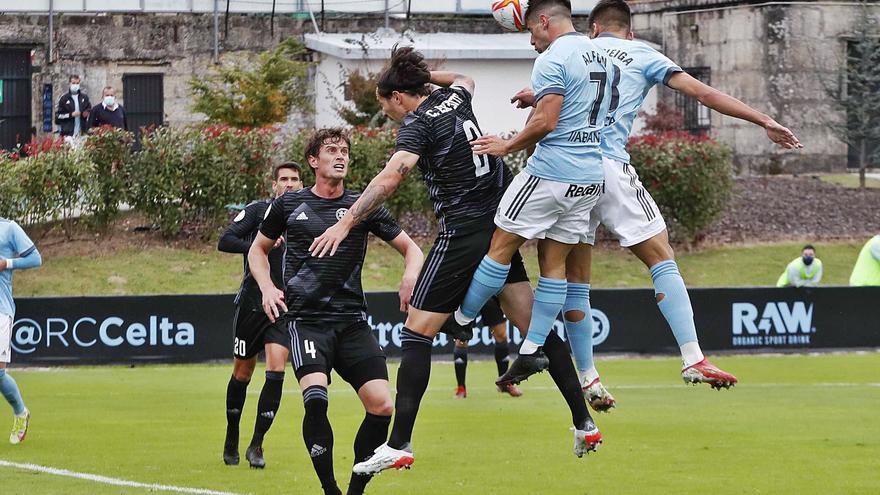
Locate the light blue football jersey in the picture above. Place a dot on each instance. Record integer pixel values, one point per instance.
(641, 68)
(14, 243)
(576, 68)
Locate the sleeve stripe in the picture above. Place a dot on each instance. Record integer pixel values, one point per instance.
(669, 73)
(27, 251)
(551, 90)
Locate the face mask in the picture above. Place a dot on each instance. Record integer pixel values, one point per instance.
(109, 101)
(74, 88)
(808, 260)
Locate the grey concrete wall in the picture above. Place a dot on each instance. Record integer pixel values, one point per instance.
(778, 58)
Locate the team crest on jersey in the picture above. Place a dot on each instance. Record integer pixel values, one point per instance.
(240, 216)
(341, 213)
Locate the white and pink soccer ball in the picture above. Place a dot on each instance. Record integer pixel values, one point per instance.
(510, 14)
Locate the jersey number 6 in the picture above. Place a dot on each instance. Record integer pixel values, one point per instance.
(481, 162)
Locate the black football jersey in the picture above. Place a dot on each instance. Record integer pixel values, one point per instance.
(238, 238)
(464, 187)
(327, 288)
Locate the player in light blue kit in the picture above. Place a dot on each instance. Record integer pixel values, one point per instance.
(17, 252)
(551, 199)
(627, 209)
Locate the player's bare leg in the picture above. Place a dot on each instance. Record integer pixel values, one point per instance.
(675, 304)
(236, 391)
(578, 319)
(316, 429)
(269, 402)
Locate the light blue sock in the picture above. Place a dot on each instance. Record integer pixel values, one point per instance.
(580, 333)
(10, 391)
(676, 304)
(488, 281)
(549, 298)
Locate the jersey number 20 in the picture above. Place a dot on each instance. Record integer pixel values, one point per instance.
(481, 162)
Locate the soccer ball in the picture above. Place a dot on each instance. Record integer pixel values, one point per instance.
(510, 14)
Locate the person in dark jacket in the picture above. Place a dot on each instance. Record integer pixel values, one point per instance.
(73, 109)
(109, 112)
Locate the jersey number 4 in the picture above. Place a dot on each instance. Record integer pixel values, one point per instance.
(309, 348)
(481, 162)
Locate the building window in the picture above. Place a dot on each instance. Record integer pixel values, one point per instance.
(697, 118)
(144, 100)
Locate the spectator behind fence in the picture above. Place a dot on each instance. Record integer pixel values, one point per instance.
(73, 110)
(109, 112)
(867, 268)
(805, 271)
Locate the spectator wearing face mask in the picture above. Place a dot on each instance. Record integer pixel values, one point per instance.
(73, 110)
(805, 271)
(109, 112)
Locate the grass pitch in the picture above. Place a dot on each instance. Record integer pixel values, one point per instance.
(800, 425)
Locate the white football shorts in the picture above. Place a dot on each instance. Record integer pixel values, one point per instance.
(626, 209)
(536, 208)
(5, 338)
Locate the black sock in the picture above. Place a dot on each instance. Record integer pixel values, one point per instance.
(318, 435)
(502, 357)
(459, 355)
(372, 433)
(566, 379)
(267, 407)
(412, 381)
(236, 392)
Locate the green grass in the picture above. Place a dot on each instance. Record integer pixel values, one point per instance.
(795, 425)
(849, 180)
(179, 271)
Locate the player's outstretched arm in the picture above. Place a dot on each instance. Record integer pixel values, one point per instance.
(728, 105)
(258, 261)
(447, 79)
(234, 237)
(413, 258)
(379, 189)
(542, 122)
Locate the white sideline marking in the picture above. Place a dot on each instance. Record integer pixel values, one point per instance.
(111, 481)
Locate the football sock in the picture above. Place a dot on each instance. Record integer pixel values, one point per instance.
(460, 355)
(549, 299)
(11, 393)
(502, 357)
(676, 307)
(267, 407)
(566, 379)
(580, 333)
(488, 281)
(318, 435)
(371, 434)
(236, 392)
(412, 381)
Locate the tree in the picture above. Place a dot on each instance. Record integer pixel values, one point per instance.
(257, 95)
(361, 90)
(855, 92)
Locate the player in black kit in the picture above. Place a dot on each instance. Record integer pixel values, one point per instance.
(253, 330)
(324, 307)
(436, 130)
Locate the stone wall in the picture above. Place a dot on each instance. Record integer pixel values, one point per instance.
(777, 57)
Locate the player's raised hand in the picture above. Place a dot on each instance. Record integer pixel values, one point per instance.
(273, 303)
(782, 136)
(489, 145)
(525, 98)
(329, 241)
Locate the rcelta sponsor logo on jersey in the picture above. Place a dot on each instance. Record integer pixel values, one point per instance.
(776, 324)
(157, 331)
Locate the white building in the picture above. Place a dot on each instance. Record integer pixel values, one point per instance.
(501, 65)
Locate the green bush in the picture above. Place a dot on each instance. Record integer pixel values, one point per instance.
(186, 177)
(109, 149)
(370, 150)
(690, 178)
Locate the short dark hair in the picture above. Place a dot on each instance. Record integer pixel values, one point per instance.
(612, 13)
(406, 73)
(808, 246)
(286, 165)
(319, 138)
(72, 77)
(538, 6)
